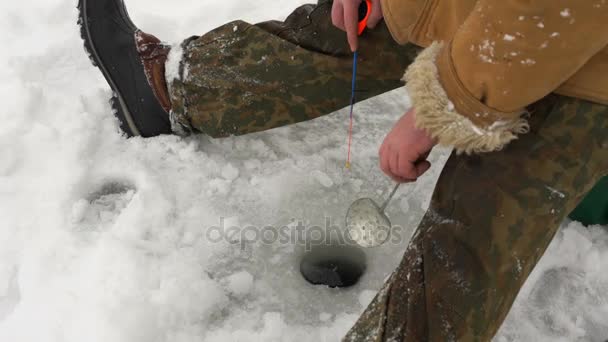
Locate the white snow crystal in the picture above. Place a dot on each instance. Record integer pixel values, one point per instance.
(172, 65)
(555, 192)
(528, 61)
(565, 13)
(486, 51)
(509, 37)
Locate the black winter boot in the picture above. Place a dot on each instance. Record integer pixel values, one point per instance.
(110, 40)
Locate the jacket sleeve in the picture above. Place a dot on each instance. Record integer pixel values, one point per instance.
(471, 92)
(401, 16)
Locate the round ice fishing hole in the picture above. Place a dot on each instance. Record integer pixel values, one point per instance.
(333, 266)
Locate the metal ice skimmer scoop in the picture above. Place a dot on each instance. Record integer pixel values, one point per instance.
(366, 222)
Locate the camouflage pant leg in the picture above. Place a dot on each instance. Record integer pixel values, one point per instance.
(491, 218)
(242, 78)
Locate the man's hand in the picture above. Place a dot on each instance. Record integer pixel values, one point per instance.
(345, 16)
(405, 150)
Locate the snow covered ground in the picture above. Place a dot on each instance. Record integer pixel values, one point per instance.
(108, 239)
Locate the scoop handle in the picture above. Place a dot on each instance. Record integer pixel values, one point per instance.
(388, 200)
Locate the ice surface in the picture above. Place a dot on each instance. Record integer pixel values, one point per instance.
(108, 239)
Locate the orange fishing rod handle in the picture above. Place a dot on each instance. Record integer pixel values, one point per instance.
(365, 9)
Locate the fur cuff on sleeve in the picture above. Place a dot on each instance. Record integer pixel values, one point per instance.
(436, 114)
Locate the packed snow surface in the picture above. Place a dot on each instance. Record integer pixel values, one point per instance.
(104, 238)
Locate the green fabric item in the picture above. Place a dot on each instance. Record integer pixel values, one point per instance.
(594, 208)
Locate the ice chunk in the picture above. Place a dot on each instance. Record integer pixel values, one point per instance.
(230, 172)
(323, 178)
(240, 283)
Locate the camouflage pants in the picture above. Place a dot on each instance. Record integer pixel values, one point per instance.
(242, 78)
(492, 216)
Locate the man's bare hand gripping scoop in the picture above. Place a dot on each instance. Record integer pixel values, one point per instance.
(404, 152)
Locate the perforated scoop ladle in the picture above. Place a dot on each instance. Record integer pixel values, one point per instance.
(367, 224)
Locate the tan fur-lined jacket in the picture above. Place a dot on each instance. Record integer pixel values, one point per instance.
(487, 60)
